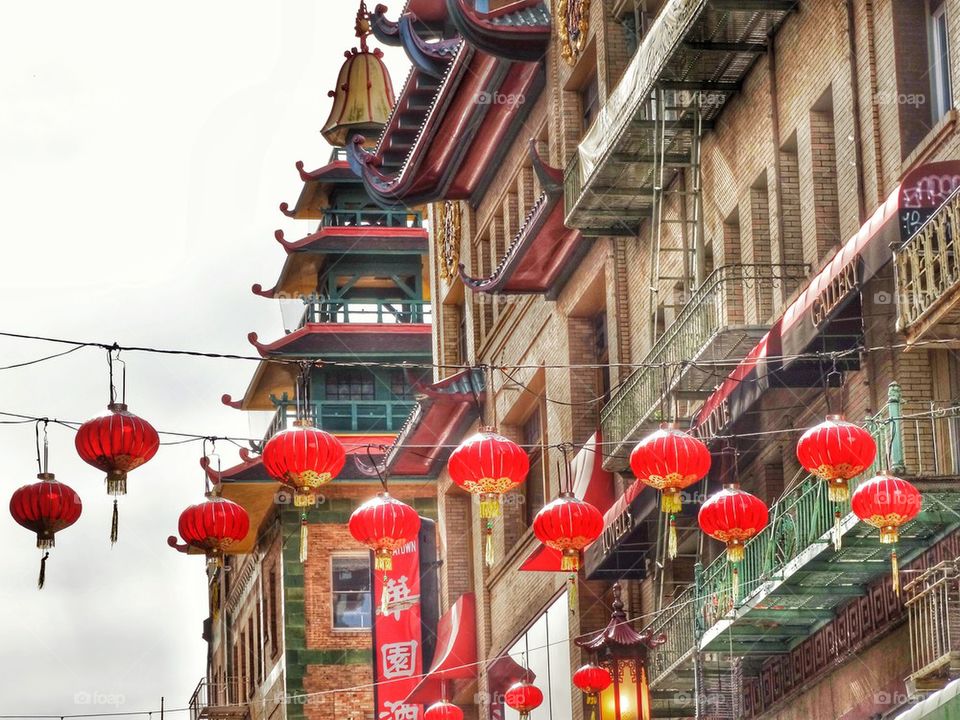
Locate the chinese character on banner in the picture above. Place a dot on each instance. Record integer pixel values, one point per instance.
(397, 636)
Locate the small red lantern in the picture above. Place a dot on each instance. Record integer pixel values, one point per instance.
(489, 465)
(116, 442)
(443, 711)
(733, 516)
(304, 458)
(887, 503)
(569, 525)
(46, 508)
(384, 524)
(836, 451)
(592, 680)
(670, 460)
(213, 526)
(523, 697)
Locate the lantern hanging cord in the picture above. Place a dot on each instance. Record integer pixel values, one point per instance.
(44, 454)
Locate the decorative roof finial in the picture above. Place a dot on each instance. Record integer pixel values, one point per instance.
(618, 602)
(363, 25)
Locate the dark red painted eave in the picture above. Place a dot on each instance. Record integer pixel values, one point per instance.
(515, 41)
(437, 167)
(337, 171)
(348, 337)
(329, 240)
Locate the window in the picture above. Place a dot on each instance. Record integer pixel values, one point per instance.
(272, 601)
(462, 358)
(533, 441)
(350, 592)
(589, 102)
(350, 385)
(545, 650)
(602, 354)
(941, 90)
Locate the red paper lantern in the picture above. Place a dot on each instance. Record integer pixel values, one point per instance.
(569, 525)
(670, 460)
(523, 697)
(213, 526)
(443, 711)
(117, 442)
(887, 503)
(384, 524)
(46, 508)
(836, 451)
(733, 516)
(304, 458)
(592, 680)
(488, 465)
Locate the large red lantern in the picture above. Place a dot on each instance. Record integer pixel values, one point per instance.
(489, 465)
(116, 442)
(46, 508)
(887, 503)
(733, 516)
(592, 680)
(214, 526)
(524, 697)
(569, 525)
(303, 458)
(670, 460)
(384, 524)
(836, 451)
(443, 711)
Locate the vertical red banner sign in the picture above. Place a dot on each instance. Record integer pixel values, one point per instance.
(397, 637)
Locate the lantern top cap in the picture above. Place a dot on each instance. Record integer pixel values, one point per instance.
(836, 417)
(668, 426)
(117, 407)
(46, 477)
(619, 638)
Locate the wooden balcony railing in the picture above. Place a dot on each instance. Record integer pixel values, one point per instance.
(733, 295)
(361, 311)
(928, 267)
(372, 218)
(358, 416)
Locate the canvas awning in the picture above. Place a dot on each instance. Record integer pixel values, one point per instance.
(455, 657)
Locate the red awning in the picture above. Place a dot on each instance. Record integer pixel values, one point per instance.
(592, 484)
(915, 199)
(456, 655)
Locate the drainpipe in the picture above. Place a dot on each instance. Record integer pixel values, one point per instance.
(855, 106)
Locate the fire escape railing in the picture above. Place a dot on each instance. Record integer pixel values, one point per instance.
(933, 609)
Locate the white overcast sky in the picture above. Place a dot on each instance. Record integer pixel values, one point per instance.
(144, 149)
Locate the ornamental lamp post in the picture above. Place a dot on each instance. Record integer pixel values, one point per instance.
(623, 652)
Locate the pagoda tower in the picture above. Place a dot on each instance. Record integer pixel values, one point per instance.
(283, 632)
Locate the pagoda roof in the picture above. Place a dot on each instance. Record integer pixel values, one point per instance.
(299, 273)
(338, 340)
(443, 413)
(317, 185)
(270, 379)
(442, 141)
(544, 251)
(518, 31)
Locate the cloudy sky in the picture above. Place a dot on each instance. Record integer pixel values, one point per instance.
(144, 149)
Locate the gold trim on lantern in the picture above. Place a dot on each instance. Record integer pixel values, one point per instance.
(383, 559)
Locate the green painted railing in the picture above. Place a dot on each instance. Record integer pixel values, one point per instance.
(370, 416)
(376, 218)
(362, 311)
(801, 518)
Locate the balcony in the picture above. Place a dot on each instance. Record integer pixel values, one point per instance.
(344, 416)
(792, 580)
(372, 218)
(690, 62)
(219, 701)
(928, 278)
(721, 322)
(360, 311)
(933, 609)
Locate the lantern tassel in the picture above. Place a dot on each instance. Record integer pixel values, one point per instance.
(573, 595)
(303, 538)
(488, 548)
(115, 523)
(895, 569)
(489, 506)
(672, 539)
(384, 604)
(735, 585)
(837, 531)
(43, 571)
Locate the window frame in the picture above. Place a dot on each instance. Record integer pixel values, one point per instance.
(938, 43)
(334, 592)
